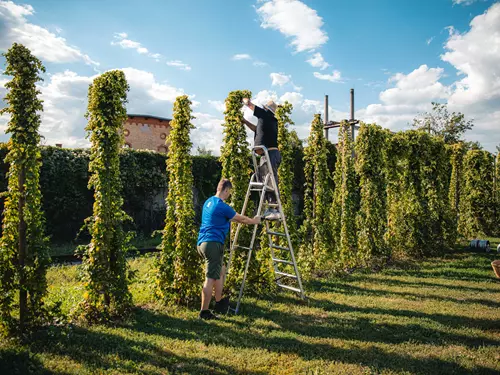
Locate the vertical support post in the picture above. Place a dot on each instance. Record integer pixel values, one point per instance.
(352, 121)
(326, 116)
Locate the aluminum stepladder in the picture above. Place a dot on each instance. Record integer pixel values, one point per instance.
(262, 187)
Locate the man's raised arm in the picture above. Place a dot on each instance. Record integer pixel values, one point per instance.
(251, 126)
(248, 103)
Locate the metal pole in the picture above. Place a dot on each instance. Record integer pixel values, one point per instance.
(326, 116)
(352, 115)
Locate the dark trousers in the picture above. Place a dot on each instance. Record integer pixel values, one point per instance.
(275, 159)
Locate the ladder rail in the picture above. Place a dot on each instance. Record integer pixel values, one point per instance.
(269, 182)
(252, 242)
(275, 186)
(238, 228)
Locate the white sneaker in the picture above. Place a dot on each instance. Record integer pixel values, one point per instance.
(271, 214)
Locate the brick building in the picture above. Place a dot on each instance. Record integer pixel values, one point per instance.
(145, 132)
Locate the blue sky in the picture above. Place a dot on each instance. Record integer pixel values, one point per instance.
(398, 56)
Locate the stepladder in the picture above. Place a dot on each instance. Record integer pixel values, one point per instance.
(286, 272)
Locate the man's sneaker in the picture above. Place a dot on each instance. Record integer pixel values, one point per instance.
(207, 315)
(271, 214)
(222, 306)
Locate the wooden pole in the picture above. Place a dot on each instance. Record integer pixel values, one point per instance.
(326, 116)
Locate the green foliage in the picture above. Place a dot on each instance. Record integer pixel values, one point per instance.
(235, 157)
(457, 153)
(371, 168)
(419, 219)
(179, 273)
(343, 210)
(106, 274)
(497, 192)
(23, 247)
(476, 216)
(316, 246)
(449, 126)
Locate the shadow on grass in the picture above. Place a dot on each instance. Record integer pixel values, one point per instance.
(348, 289)
(20, 361)
(251, 335)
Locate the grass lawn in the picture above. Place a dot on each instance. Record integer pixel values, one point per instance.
(439, 316)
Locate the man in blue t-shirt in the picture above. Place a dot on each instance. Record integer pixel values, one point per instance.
(213, 231)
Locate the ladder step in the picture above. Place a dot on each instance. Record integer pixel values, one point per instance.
(289, 287)
(282, 261)
(258, 186)
(242, 247)
(279, 247)
(273, 204)
(276, 233)
(286, 274)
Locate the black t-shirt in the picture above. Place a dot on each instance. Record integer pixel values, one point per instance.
(266, 133)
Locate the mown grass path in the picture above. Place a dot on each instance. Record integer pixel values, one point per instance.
(439, 316)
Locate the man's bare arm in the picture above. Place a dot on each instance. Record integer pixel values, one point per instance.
(249, 104)
(251, 126)
(246, 220)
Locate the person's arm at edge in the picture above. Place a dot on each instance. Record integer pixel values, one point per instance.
(246, 220)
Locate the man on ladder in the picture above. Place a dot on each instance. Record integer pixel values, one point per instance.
(266, 134)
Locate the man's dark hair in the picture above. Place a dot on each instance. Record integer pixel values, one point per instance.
(224, 184)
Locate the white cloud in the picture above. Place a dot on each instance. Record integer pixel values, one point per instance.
(294, 98)
(412, 94)
(312, 106)
(296, 21)
(218, 105)
(179, 64)
(334, 77)
(241, 56)
(476, 56)
(464, 2)
(207, 133)
(318, 61)
(120, 39)
(14, 27)
(260, 63)
(279, 79)
(429, 41)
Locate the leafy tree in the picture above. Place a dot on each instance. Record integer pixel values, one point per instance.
(343, 209)
(23, 247)
(202, 151)
(440, 122)
(179, 275)
(316, 246)
(371, 167)
(476, 205)
(106, 273)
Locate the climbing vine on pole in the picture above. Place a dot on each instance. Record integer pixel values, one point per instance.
(372, 216)
(179, 275)
(316, 247)
(344, 201)
(106, 274)
(417, 194)
(23, 247)
(476, 205)
(456, 152)
(235, 159)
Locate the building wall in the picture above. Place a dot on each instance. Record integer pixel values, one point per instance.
(146, 133)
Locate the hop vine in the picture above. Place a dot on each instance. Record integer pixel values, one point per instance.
(179, 273)
(316, 247)
(23, 247)
(106, 273)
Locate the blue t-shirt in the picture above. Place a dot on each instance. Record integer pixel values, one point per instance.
(215, 220)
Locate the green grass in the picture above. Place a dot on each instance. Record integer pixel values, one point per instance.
(439, 316)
